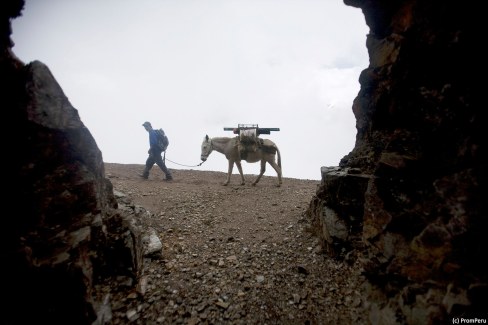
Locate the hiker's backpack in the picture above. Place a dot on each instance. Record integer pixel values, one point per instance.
(163, 141)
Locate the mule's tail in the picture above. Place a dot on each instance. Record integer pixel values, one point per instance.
(279, 157)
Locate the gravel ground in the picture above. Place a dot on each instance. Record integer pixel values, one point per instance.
(231, 254)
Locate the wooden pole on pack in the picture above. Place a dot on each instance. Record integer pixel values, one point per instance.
(266, 130)
(258, 130)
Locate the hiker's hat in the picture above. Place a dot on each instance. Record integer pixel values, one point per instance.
(147, 124)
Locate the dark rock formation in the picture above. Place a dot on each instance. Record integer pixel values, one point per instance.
(413, 204)
(65, 234)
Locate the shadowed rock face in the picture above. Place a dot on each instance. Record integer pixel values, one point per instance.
(63, 234)
(406, 200)
(413, 205)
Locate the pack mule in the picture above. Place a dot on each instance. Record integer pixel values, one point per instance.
(229, 147)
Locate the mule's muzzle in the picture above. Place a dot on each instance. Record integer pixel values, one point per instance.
(203, 158)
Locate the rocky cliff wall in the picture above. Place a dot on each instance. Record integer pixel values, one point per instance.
(62, 232)
(408, 196)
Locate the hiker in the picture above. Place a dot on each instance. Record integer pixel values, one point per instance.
(154, 152)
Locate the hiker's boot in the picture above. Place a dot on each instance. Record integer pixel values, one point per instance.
(145, 173)
(166, 172)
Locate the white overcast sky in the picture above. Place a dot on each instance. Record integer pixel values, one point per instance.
(193, 67)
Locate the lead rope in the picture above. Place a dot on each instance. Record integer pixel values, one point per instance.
(164, 160)
(186, 165)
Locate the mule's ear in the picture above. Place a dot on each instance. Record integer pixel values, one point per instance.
(206, 137)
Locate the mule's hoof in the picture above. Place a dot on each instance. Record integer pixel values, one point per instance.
(225, 184)
(253, 184)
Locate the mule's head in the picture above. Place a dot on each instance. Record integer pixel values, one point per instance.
(206, 148)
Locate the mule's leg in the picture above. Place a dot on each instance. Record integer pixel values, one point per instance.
(239, 167)
(261, 172)
(278, 171)
(229, 172)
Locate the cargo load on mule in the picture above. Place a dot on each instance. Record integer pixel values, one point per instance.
(249, 140)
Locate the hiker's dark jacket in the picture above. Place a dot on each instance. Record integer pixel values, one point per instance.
(153, 139)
